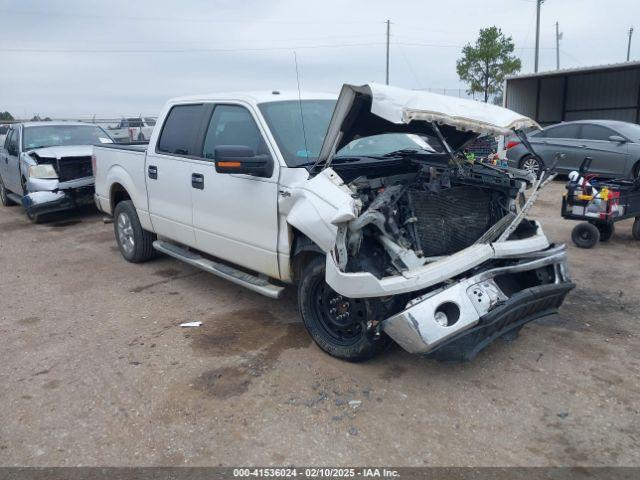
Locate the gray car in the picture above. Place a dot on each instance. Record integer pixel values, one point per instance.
(614, 147)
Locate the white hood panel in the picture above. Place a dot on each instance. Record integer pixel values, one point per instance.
(401, 107)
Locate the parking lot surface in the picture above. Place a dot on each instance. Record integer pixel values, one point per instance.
(95, 369)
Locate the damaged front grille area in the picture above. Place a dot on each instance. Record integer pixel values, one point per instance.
(452, 219)
(72, 168)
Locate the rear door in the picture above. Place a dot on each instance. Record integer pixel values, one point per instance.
(609, 158)
(235, 217)
(168, 173)
(562, 139)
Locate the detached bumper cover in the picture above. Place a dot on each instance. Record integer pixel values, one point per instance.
(475, 311)
(66, 196)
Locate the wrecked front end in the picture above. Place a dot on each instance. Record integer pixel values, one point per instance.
(58, 180)
(452, 246)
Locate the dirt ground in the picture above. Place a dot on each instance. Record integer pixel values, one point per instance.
(95, 370)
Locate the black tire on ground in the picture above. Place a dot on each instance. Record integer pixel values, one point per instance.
(532, 164)
(346, 338)
(6, 201)
(635, 230)
(606, 230)
(636, 171)
(135, 243)
(585, 235)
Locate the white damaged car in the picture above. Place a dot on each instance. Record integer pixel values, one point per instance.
(366, 203)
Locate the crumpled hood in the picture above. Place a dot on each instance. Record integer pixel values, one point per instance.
(63, 151)
(373, 109)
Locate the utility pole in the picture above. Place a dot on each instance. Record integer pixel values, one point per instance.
(388, 35)
(558, 38)
(538, 4)
(629, 44)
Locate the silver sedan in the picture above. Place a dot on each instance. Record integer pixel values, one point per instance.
(614, 147)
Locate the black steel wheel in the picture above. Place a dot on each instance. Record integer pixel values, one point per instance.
(606, 230)
(340, 326)
(585, 235)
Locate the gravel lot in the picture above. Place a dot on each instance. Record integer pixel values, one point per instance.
(95, 370)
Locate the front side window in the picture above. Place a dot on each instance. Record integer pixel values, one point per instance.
(180, 130)
(56, 135)
(562, 131)
(232, 125)
(7, 140)
(596, 132)
(13, 142)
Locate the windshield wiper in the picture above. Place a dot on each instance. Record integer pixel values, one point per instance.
(407, 152)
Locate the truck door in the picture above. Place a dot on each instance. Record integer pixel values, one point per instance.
(168, 170)
(235, 217)
(11, 162)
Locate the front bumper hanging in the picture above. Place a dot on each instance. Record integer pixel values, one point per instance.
(458, 321)
(61, 195)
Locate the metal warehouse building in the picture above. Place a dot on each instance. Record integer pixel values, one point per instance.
(604, 92)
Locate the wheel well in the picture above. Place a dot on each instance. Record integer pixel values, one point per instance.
(635, 170)
(118, 194)
(303, 250)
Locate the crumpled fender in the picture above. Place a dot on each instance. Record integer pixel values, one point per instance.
(318, 205)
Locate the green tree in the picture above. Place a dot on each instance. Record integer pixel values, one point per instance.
(6, 116)
(484, 65)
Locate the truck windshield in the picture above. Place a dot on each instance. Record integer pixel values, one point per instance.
(298, 147)
(57, 135)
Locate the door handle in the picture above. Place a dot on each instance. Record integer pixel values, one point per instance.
(153, 172)
(197, 181)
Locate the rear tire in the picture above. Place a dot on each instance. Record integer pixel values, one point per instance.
(347, 338)
(585, 235)
(606, 231)
(4, 198)
(635, 230)
(135, 243)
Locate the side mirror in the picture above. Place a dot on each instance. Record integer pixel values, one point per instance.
(617, 139)
(242, 159)
(585, 165)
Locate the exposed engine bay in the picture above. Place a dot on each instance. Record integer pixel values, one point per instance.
(413, 218)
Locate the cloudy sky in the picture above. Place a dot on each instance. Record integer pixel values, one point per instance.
(71, 58)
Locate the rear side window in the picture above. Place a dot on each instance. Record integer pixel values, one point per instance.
(232, 125)
(562, 131)
(596, 132)
(180, 130)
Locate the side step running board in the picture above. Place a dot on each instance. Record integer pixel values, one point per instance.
(247, 280)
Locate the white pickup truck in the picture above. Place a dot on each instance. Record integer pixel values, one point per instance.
(364, 201)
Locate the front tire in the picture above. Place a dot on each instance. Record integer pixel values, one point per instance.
(135, 243)
(532, 164)
(635, 230)
(338, 325)
(4, 195)
(585, 235)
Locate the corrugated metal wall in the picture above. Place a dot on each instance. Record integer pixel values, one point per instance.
(579, 95)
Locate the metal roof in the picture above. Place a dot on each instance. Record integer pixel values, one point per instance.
(610, 67)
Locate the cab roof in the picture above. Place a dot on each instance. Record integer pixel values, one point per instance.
(256, 97)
